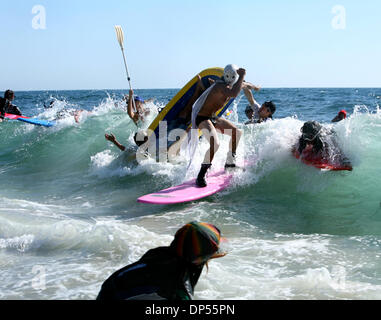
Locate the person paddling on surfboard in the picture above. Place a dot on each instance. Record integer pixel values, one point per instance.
(6, 105)
(318, 144)
(167, 273)
(203, 118)
(255, 112)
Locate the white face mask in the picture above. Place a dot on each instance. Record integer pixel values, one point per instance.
(230, 74)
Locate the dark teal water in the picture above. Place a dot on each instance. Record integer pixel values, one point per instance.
(69, 216)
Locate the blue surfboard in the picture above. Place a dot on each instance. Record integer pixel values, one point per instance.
(38, 122)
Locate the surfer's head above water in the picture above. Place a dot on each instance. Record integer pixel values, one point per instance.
(267, 109)
(197, 242)
(9, 95)
(265, 112)
(230, 74)
(340, 116)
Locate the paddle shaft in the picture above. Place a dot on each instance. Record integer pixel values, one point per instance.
(128, 77)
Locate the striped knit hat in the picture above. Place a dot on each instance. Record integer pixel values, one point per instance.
(197, 242)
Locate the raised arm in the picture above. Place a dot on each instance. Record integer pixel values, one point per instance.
(234, 92)
(247, 87)
(249, 96)
(110, 137)
(130, 108)
(250, 86)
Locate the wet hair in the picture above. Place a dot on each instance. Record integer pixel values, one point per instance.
(311, 129)
(271, 105)
(8, 94)
(139, 143)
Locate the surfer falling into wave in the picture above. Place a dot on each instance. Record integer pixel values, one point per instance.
(255, 112)
(204, 118)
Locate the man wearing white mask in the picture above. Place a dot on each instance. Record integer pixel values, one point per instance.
(204, 118)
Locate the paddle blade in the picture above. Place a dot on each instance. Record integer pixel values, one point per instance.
(119, 35)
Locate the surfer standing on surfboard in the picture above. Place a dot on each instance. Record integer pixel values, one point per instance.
(204, 118)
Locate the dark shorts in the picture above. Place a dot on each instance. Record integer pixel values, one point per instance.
(200, 119)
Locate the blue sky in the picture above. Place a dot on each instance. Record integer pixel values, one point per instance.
(279, 43)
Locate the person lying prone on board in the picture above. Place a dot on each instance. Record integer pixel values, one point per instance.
(316, 142)
(141, 111)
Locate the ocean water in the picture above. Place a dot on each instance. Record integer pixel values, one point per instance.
(69, 216)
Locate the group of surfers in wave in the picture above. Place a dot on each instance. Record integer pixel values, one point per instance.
(315, 141)
(200, 114)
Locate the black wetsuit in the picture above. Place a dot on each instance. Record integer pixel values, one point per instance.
(7, 107)
(325, 146)
(158, 275)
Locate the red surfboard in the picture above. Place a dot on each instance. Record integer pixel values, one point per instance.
(13, 116)
(310, 159)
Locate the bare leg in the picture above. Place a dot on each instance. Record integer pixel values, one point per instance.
(209, 131)
(226, 127)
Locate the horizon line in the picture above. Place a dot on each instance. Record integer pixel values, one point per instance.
(127, 89)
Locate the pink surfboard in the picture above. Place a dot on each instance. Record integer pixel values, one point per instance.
(188, 191)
